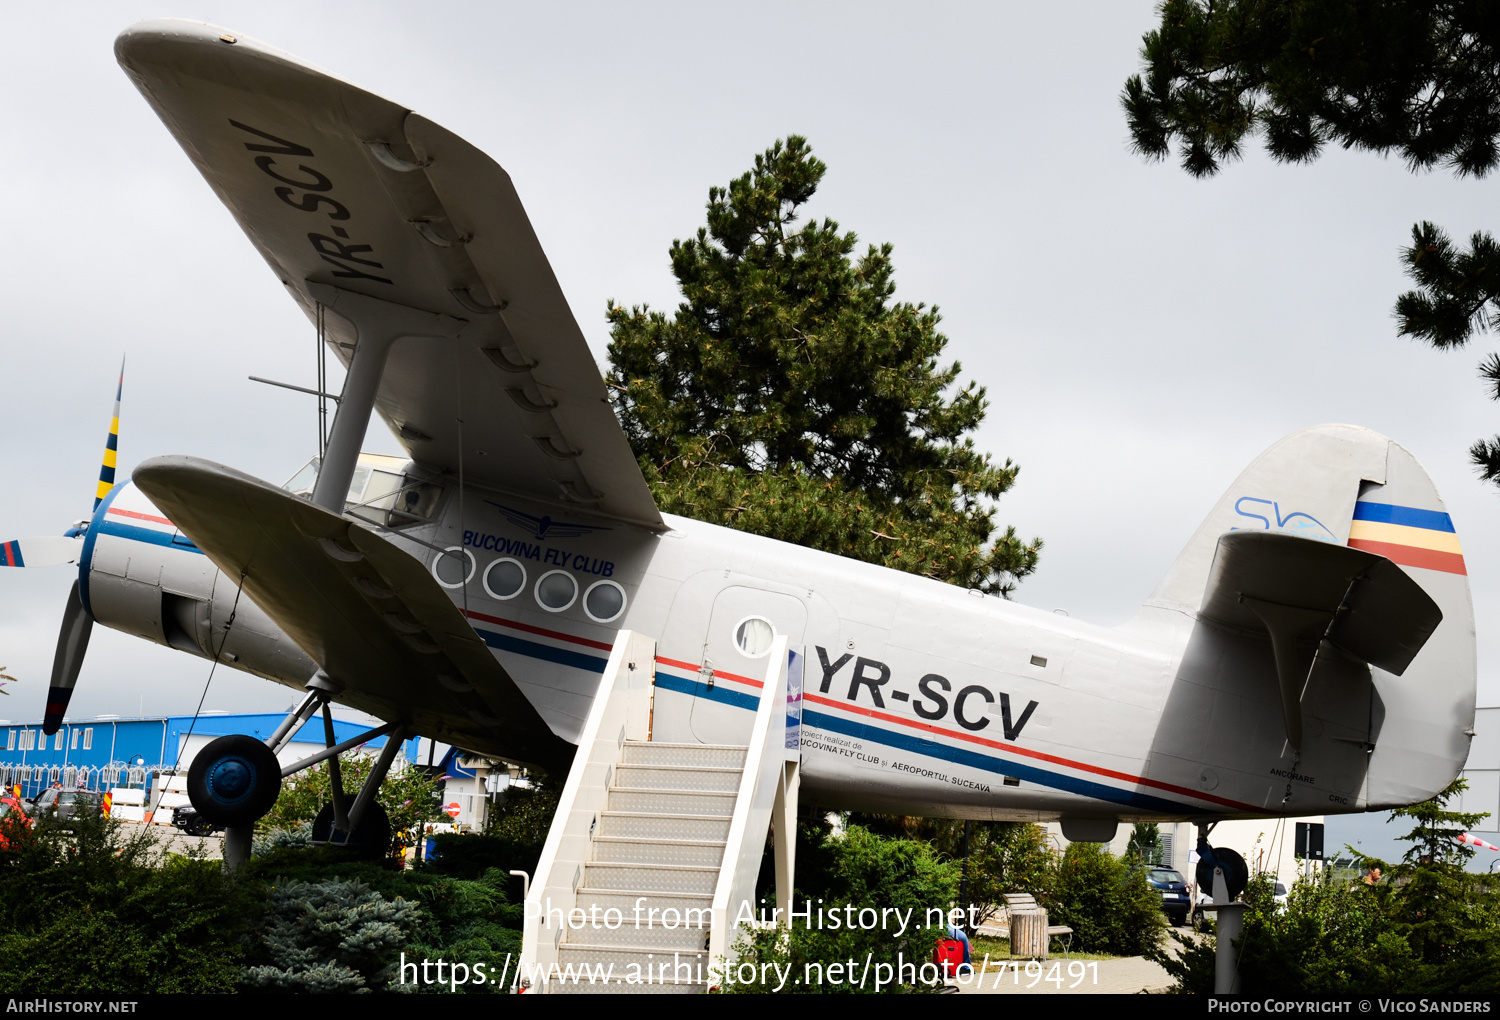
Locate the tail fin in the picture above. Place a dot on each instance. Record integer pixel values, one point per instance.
(1352, 487)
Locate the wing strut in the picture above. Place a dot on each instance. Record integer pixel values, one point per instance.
(378, 324)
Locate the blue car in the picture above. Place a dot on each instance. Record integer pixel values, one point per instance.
(1173, 891)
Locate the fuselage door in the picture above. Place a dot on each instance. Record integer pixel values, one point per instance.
(734, 661)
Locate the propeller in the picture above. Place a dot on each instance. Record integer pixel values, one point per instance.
(55, 550)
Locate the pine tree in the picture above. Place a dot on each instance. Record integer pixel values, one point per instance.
(1417, 79)
(790, 396)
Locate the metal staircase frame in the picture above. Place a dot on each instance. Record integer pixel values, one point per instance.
(765, 798)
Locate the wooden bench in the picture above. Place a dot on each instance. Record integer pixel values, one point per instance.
(1025, 903)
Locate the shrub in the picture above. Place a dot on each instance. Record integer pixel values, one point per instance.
(1109, 905)
(861, 870)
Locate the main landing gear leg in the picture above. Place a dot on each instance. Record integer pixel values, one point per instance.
(236, 779)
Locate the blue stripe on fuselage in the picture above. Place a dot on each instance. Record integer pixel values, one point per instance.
(983, 762)
(114, 529)
(721, 695)
(536, 650)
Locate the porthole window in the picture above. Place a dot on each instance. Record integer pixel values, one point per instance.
(604, 601)
(556, 590)
(504, 579)
(753, 636)
(450, 563)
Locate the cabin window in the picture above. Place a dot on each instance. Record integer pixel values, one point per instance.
(556, 590)
(504, 579)
(449, 567)
(753, 635)
(604, 601)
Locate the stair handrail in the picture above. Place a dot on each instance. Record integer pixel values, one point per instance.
(620, 712)
(754, 804)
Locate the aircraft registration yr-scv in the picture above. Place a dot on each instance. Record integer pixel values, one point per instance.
(1310, 651)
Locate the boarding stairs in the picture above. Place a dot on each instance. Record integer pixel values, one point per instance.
(655, 845)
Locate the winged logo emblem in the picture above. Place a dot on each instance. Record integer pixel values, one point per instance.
(544, 527)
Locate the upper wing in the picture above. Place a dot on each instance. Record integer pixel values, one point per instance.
(364, 609)
(337, 186)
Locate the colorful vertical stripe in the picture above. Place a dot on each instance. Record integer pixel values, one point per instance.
(10, 554)
(1407, 535)
(111, 445)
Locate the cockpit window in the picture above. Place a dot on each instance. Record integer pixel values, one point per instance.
(380, 491)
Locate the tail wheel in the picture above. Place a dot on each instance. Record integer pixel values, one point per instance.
(234, 780)
(371, 838)
(1236, 873)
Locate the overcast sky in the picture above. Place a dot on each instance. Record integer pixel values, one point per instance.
(1142, 335)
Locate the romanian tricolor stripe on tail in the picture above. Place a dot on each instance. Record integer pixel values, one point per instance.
(1408, 536)
(111, 445)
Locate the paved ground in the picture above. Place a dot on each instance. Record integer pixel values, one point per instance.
(1060, 976)
(175, 841)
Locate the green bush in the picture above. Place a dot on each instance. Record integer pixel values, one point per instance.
(96, 910)
(1109, 905)
(330, 936)
(861, 870)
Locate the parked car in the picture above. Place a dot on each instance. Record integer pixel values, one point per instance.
(187, 819)
(64, 805)
(1172, 888)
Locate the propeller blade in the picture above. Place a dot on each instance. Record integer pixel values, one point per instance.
(111, 445)
(42, 551)
(72, 642)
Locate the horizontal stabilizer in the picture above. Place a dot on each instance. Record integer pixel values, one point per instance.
(42, 551)
(1297, 589)
(364, 609)
(1375, 611)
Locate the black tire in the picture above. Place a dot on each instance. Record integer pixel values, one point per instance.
(371, 840)
(1236, 874)
(233, 781)
(200, 827)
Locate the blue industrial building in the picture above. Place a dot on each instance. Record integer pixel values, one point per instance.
(105, 752)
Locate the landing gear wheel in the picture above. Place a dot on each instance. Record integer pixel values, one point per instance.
(371, 839)
(1236, 874)
(233, 781)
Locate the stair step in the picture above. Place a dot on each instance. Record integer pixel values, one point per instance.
(648, 939)
(625, 901)
(665, 802)
(634, 850)
(727, 756)
(658, 878)
(679, 778)
(650, 825)
(625, 988)
(663, 966)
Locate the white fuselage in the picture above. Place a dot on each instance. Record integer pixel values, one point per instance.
(920, 697)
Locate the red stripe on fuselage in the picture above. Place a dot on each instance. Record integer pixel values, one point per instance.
(543, 631)
(1039, 755)
(678, 663)
(141, 516)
